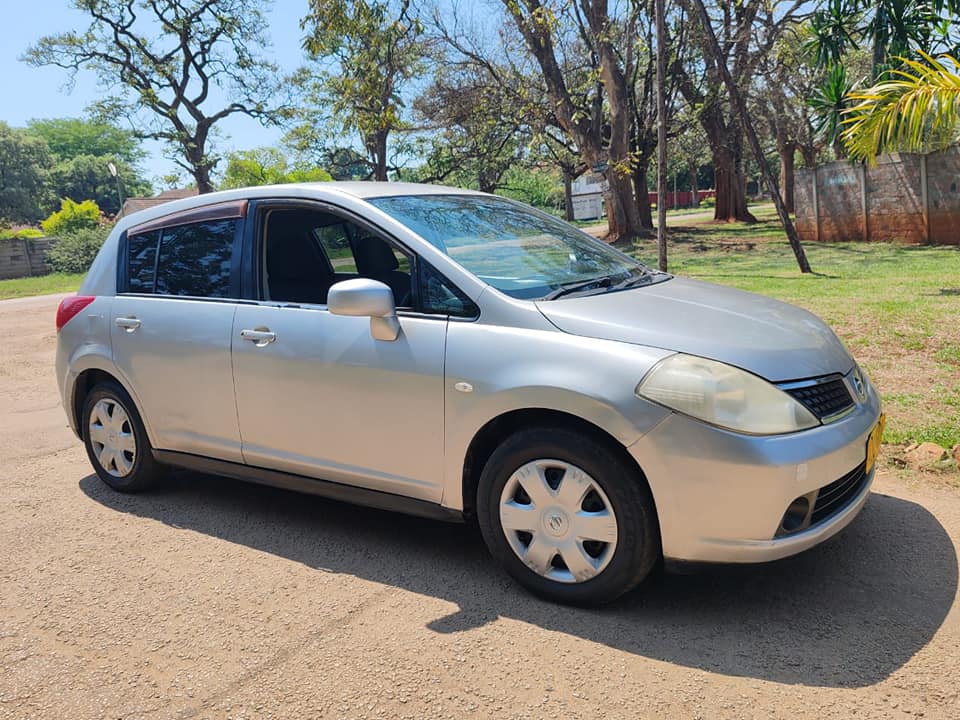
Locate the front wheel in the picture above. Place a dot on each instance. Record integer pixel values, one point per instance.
(567, 516)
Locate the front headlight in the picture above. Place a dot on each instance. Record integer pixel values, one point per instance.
(723, 395)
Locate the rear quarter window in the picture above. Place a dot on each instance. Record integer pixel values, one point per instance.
(142, 261)
(196, 259)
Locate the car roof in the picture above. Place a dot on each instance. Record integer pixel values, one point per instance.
(317, 190)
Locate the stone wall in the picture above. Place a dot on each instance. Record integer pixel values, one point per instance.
(22, 258)
(903, 198)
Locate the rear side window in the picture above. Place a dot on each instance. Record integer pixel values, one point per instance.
(141, 261)
(196, 259)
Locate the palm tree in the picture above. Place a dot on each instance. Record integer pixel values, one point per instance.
(916, 108)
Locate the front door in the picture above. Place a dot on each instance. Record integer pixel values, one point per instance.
(316, 394)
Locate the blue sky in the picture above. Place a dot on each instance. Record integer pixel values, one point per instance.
(30, 92)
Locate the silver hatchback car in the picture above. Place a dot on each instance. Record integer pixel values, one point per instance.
(454, 355)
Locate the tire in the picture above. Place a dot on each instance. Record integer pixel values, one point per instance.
(110, 422)
(606, 484)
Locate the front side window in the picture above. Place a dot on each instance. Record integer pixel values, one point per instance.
(519, 251)
(306, 252)
(195, 259)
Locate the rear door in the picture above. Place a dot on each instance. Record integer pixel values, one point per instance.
(171, 328)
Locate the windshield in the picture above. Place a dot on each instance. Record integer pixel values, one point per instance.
(518, 250)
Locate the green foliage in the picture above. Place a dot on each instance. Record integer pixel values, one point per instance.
(916, 109)
(69, 138)
(21, 234)
(829, 103)
(540, 188)
(375, 48)
(71, 217)
(167, 63)
(74, 251)
(25, 164)
(88, 177)
(267, 166)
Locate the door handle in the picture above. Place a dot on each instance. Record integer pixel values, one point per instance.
(261, 337)
(128, 323)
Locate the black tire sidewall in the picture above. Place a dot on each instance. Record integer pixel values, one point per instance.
(638, 534)
(142, 475)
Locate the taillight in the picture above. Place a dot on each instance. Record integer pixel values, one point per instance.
(71, 306)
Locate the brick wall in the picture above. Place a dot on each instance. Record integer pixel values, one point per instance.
(905, 198)
(22, 258)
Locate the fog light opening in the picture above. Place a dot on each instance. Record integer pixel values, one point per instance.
(796, 515)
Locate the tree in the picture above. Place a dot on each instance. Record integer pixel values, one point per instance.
(372, 48)
(68, 138)
(602, 138)
(479, 114)
(170, 60)
(746, 32)
(740, 107)
(267, 166)
(88, 177)
(917, 109)
(25, 164)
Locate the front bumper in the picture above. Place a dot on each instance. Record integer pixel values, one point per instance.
(721, 495)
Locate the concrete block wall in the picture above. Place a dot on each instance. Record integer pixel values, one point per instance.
(906, 198)
(22, 258)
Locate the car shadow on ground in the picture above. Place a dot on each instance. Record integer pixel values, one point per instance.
(846, 614)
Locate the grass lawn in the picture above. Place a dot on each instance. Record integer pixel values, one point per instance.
(40, 285)
(897, 307)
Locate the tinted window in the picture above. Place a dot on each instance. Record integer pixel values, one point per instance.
(141, 261)
(195, 259)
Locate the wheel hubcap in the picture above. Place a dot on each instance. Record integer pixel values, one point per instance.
(558, 521)
(112, 438)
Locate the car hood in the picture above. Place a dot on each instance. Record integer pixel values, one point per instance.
(767, 337)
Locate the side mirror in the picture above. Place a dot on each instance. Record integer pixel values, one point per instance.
(363, 297)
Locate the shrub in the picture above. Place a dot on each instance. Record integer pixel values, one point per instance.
(21, 234)
(74, 252)
(72, 216)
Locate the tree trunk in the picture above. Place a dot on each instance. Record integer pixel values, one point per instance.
(642, 194)
(623, 219)
(201, 176)
(809, 153)
(694, 195)
(786, 152)
(567, 196)
(378, 152)
(731, 187)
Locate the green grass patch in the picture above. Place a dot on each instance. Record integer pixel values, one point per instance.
(40, 285)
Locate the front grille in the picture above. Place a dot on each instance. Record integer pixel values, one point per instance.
(834, 497)
(824, 398)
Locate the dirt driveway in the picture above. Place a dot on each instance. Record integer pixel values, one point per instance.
(217, 599)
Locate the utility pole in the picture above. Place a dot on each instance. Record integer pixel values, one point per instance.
(661, 137)
(741, 107)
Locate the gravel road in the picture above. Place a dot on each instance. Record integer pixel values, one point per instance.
(211, 598)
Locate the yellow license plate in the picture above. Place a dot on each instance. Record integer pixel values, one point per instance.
(873, 442)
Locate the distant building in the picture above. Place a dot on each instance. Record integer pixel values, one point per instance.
(135, 204)
(587, 194)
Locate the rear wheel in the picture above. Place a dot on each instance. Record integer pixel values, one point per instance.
(567, 516)
(116, 440)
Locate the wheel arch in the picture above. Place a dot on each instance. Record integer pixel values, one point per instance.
(497, 429)
(89, 378)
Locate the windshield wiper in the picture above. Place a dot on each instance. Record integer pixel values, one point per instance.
(569, 288)
(644, 279)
